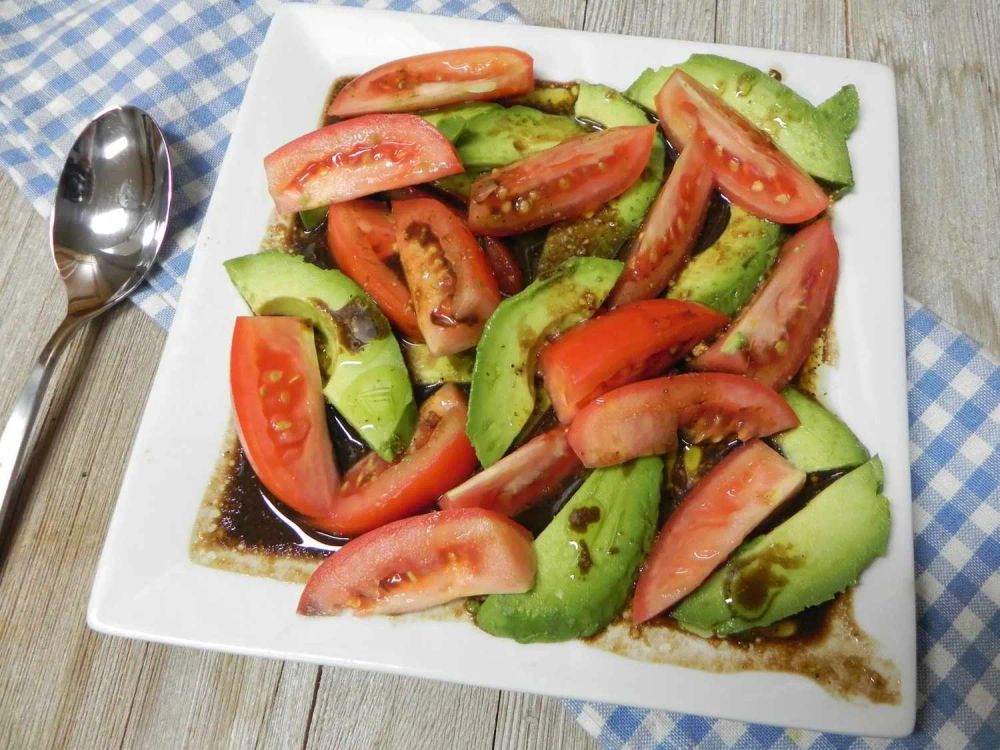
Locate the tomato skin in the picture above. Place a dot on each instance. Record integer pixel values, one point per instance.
(361, 238)
(453, 288)
(629, 343)
(774, 334)
(670, 230)
(641, 418)
(710, 522)
(566, 181)
(281, 413)
(749, 168)
(420, 562)
(518, 480)
(355, 158)
(505, 268)
(412, 83)
(439, 458)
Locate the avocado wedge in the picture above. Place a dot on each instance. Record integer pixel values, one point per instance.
(805, 561)
(588, 558)
(365, 377)
(810, 137)
(725, 275)
(821, 442)
(502, 398)
(501, 136)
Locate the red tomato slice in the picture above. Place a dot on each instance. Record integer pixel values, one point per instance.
(280, 411)
(421, 562)
(713, 518)
(454, 291)
(641, 418)
(505, 268)
(566, 181)
(671, 229)
(356, 158)
(774, 333)
(749, 168)
(521, 479)
(361, 238)
(439, 458)
(629, 343)
(437, 79)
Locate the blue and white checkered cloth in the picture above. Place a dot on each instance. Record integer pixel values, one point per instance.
(187, 63)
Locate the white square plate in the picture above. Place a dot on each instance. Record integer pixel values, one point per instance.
(146, 586)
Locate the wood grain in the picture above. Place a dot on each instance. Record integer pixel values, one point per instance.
(64, 686)
(947, 65)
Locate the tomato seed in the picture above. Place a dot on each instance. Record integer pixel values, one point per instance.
(274, 375)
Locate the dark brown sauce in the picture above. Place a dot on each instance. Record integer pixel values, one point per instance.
(581, 518)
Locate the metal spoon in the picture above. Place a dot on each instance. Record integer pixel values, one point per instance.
(107, 227)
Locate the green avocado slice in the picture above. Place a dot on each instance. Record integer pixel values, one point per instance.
(805, 561)
(603, 234)
(843, 110)
(451, 120)
(553, 98)
(429, 369)
(364, 373)
(821, 442)
(502, 398)
(502, 136)
(588, 557)
(810, 137)
(725, 275)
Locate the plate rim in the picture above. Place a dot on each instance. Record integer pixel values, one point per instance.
(102, 618)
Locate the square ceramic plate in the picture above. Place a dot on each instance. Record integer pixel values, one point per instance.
(146, 586)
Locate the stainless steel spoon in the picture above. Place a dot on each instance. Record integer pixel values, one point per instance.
(107, 227)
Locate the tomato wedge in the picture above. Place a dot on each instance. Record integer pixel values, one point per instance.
(751, 171)
(641, 418)
(505, 268)
(453, 287)
(421, 562)
(521, 479)
(355, 158)
(630, 343)
(671, 229)
(439, 458)
(280, 411)
(566, 181)
(773, 335)
(362, 238)
(713, 518)
(437, 79)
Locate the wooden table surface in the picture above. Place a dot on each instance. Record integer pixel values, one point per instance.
(62, 685)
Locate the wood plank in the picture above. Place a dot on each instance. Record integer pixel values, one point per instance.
(526, 722)
(693, 20)
(563, 14)
(364, 709)
(188, 698)
(947, 65)
(817, 26)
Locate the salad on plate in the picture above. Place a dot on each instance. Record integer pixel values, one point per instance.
(549, 350)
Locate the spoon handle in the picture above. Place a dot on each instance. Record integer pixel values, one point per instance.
(14, 440)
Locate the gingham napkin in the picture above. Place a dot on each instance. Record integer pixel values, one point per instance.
(187, 63)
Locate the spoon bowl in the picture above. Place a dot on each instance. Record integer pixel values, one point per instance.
(107, 228)
(111, 207)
